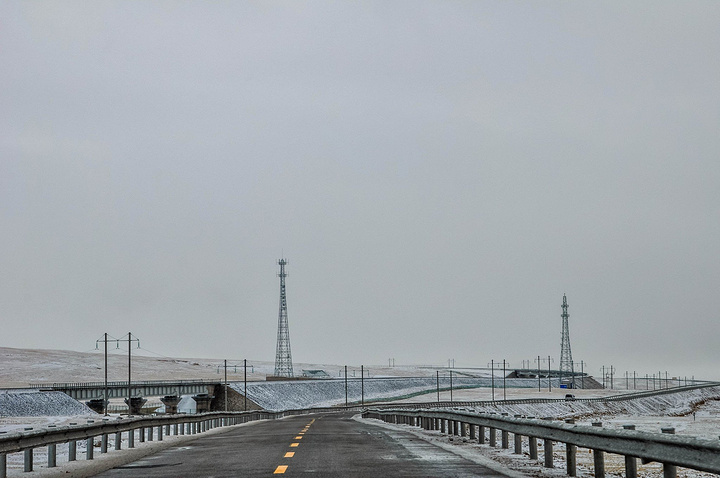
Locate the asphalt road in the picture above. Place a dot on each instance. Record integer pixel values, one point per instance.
(331, 445)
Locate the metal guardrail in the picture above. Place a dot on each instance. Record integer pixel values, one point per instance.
(134, 428)
(526, 401)
(670, 450)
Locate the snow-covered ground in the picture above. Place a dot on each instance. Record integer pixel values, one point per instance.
(19, 368)
(325, 393)
(647, 414)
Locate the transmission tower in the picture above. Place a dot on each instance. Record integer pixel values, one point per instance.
(566, 361)
(283, 357)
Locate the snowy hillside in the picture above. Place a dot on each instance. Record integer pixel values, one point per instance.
(40, 404)
(321, 393)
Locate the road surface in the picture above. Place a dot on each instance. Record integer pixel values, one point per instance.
(322, 445)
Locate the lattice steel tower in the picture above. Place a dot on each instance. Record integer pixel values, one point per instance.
(566, 361)
(283, 357)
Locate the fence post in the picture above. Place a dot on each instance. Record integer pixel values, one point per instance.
(669, 470)
(630, 461)
(598, 458)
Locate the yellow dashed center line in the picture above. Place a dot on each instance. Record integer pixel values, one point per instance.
(294, 444)
(280, 470)
(289, 454)
(298, 437)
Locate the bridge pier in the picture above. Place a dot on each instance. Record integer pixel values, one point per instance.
(135, 405)
(171, 404)
(202, 402)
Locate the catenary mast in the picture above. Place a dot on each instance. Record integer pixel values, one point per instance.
(283, 357)
(566, 361)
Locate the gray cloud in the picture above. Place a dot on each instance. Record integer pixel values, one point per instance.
(437, 173)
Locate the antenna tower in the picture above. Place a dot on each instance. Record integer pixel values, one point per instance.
(283, 357)
(566, 361)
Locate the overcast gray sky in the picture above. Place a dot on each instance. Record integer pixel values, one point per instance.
(438, 174)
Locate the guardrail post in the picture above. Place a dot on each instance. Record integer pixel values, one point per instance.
(548, 449)
(89, 448)
(518, 444)
(141, 431)
(72, 450)
(150, 433)
(481, 434)
(160, 433)
(571, 454)
(118, 440)
(630, 461)
(3, 465)
(669, 471)
(462, 429)
(472, 431)
(493, 437)
(504, 439)
(181, 429)
(104, 443)
(598, 458)
(131, 438)
(175, 429)
(28, 460)
(442, 425)
(533, 447)
(52, 456)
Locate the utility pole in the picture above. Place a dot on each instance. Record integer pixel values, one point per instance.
(492, 378)
(105, 340)
(245, 383)
(346, 387)
(538, 369)
(451, 387)
(226, 386)
(362, 385)
(549, 373)
(504, 375)
(437, 384)
(130, 340)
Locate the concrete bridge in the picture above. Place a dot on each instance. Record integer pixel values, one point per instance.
(157, 388)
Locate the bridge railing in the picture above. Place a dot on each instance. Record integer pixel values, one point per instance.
(112, 432)
(670, 450)
(116, 384)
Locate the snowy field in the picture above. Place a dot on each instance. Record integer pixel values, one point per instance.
(20, 409)
(647, 414)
